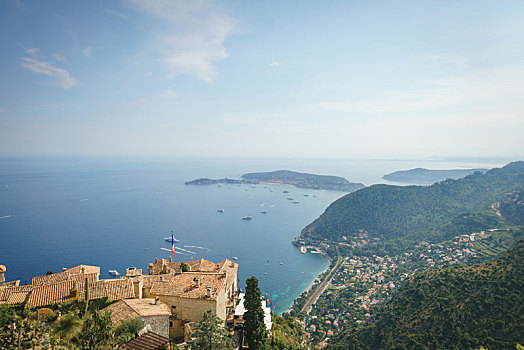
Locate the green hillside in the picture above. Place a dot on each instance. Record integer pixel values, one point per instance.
(415, 213)
(461, 307)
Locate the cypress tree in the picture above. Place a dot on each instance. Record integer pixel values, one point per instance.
(86, 298)
(254, 328)
(210, 334)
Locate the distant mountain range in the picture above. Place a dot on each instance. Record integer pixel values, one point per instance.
(301, 180)
(427, 176)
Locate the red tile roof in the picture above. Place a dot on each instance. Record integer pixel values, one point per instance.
(185, 285)
(6, 291)
(76, 273)
(147, 341)
(128, 309)
(61, 291)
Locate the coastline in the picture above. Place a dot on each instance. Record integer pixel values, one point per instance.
(308, 288)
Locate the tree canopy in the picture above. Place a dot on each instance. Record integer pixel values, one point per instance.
(254, 328)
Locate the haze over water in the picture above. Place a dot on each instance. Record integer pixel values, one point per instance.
(116, 212)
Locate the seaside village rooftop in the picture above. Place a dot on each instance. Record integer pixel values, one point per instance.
(169, 300)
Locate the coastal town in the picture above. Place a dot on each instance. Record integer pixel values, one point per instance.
(348, 293)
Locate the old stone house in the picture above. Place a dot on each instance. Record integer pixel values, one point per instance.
(153, 313)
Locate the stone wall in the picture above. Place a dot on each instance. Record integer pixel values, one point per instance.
(159, 324)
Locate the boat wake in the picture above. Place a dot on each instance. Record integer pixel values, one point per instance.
(197, 247)
(169, 250)
(185, 250)
(5, 217)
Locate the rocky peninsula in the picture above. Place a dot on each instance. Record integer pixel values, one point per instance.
(287, 177)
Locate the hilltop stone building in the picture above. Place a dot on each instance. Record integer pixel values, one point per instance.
(188, 294)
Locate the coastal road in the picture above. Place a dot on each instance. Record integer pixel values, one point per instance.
(323, 285)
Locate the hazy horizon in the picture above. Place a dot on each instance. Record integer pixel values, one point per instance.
(316, 80)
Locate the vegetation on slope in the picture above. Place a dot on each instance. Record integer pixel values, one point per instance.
(304, 180)
(452, 308)
(415, 213)
(428, 176)
(287, 334)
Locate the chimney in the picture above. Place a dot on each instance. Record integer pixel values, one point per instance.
(170, 259)
(156, 260)
(150, 268)
(197, 282)
(138, 286)
(2, 277)
(191, 259)
(157, 300)
(64, 269)
(82, 270)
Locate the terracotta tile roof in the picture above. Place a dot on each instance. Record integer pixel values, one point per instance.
(61, 291)
(70, 274)
(50, 293)
(163, 266)
(149, 279)
(20, 291)
(129, 309)
(17, 297)
(147, 341)
(114, 289)
(121, 312)
(184, 285)
(203, 266)
(231, 269)
(118, 289)
(84, 269)
(147, 307)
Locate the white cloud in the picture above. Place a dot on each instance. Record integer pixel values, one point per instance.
(275, 63)
(32, 51)
(88, 51)
(58, 57)
(61, 76)
(194, 35)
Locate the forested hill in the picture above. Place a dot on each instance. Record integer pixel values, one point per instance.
(428, 176)
(419, 212)
(452, 308)
(304, 180)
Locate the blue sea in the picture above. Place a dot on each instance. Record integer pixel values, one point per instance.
(115, 213)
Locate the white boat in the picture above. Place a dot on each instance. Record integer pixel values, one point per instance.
(234, 258)
(114, 272)
(264, 212)
(220, 210)
(246, 217)
(168, 239)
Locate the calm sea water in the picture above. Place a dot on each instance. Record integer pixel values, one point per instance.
(116, 212)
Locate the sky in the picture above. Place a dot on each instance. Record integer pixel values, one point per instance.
(313, 79)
